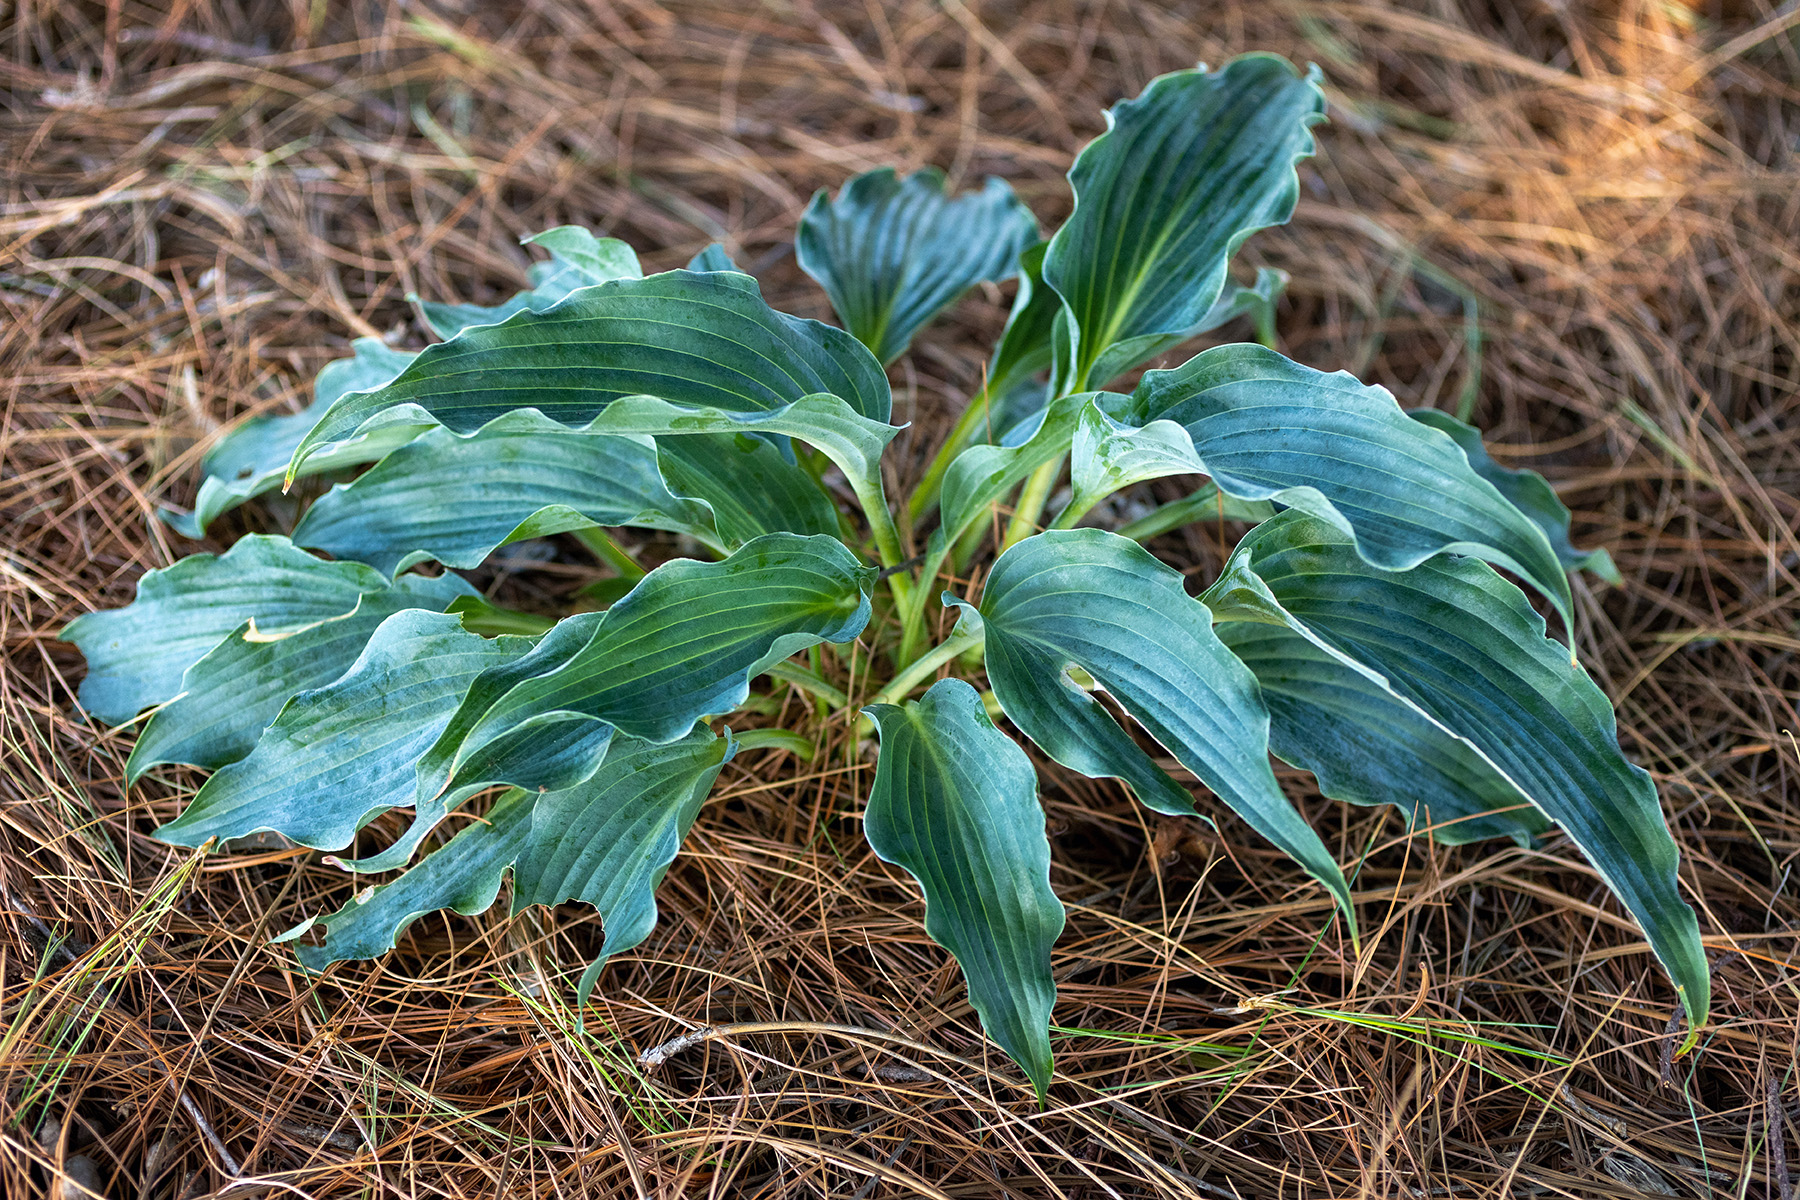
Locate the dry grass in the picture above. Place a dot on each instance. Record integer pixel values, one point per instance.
(202, 208)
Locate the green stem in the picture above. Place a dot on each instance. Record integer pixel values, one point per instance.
(873, 499)
(1073, 512)
(490, 620)
(1204, 505)
(808, 681)
(974, 418)
(912, 619)
(600, 544)
(777, 739)
(926, 666)
(1262, 316)
(1173, 515)
(1032, 499)
(968, 544)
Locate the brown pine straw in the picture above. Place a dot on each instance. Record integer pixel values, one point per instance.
(1583, 217)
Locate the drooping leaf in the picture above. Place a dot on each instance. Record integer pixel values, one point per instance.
(340, 754)
(463, 875)
(713, 258)
(1184, 173)
(704, 341)
(578, 260)
(231, 695)
(684, 644)
(1369, 745)
(747, 483)
(607, 842)
(1464, 645)
(1266, 428)
(1100, 602)
(1528, 491)
(456, 498)
(955, 804)
(136, 655)
(892, 253)
(252, 458)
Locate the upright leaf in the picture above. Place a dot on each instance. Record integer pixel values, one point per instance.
(607, 842)
(892, 253)
(1527, 491)
(456, 498)
(229, 697)
(252, 458)
(1184, 173)
(705, 341)
(578, 260)
(684, 644)
(136, 655)
(1266, 428)
(1463, 644)
(1097, 601)
(340, 754)
(955, 804)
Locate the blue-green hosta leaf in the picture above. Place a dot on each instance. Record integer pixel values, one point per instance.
(578, 260)
(340, 754)
(955, 804)
(1100, 602)
(1369, 745)
(703, 341)
(1183, 174)
(714, 258)
(1528, 491)
(684, 644)
(456, 498)
(1463, 644)
(1266, 428)
(252, 458)
(892, 253)
(751, 488)
(1106, 454)
(136, 655)
(231, 695)
(607, 842)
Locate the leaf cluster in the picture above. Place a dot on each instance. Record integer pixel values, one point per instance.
(1362, 630)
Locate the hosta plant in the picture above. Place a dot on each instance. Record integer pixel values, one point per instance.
(1374, 626)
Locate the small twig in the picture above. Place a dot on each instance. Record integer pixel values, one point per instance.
(1774, 1116)
(898, 567)
(1666, 1068)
